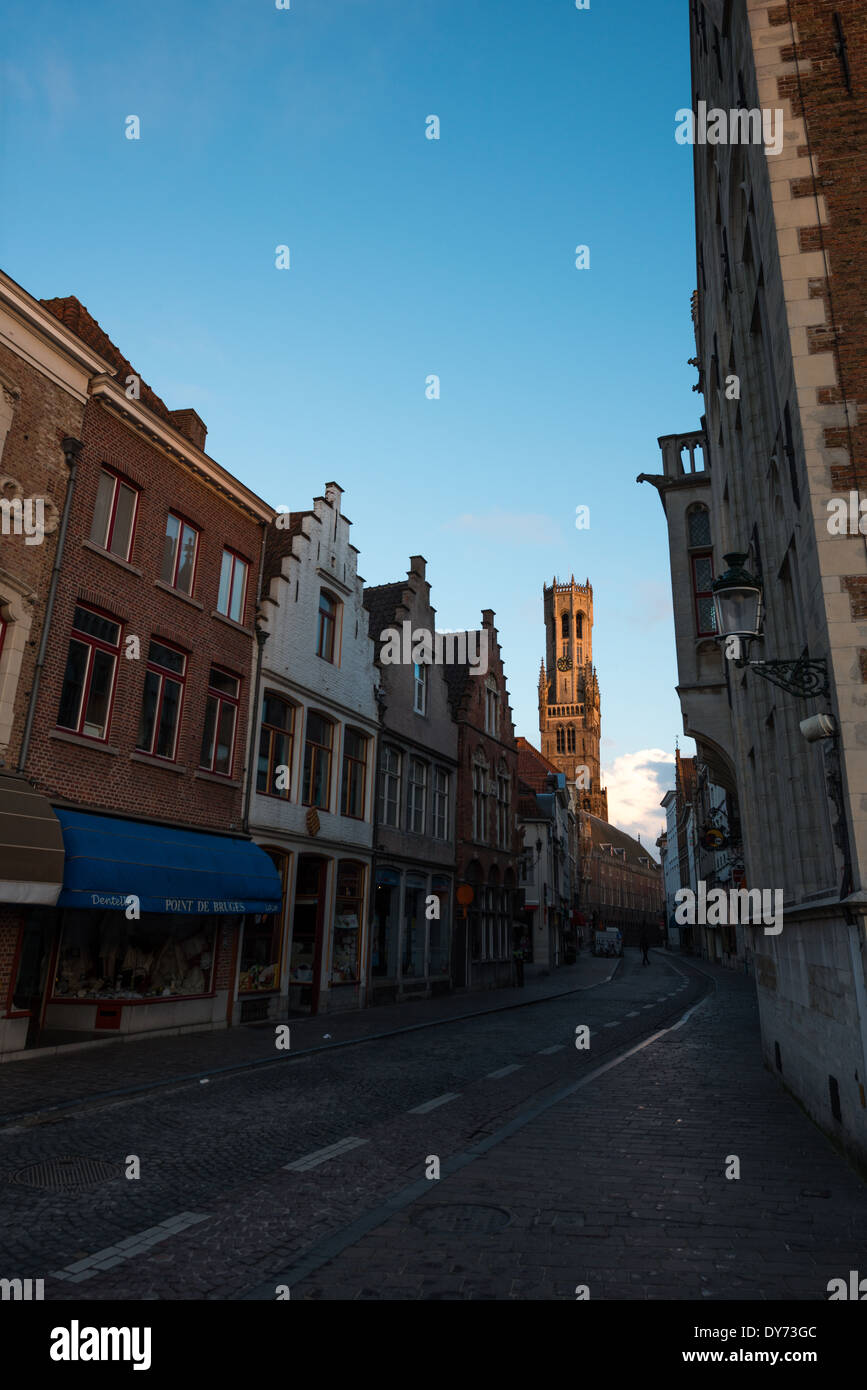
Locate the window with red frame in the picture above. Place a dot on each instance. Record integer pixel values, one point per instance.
(180, 551)
(221, 718)
(233, 586)
(327, 627)
(91, 671)
(114, 515)
(702, 579)
(354, 774)
(162, 699)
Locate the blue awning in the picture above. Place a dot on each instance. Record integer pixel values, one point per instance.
(184, 871)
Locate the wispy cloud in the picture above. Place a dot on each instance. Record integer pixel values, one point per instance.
(636, 784)
(519, 528)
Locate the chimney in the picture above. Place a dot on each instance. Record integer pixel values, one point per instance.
(487, 617)
(417, 565)
(333, 494)
(192, 426)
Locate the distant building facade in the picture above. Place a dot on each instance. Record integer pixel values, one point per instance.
(414, 836)
(569, 711)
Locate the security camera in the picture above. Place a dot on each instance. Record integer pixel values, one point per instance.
(819, 726)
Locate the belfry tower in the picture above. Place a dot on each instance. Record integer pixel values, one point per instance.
(569, 719)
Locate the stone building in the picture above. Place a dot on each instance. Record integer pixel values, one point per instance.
(780, 324)
(139, 723)
(414, 814)
(569, 717)
(312, 806)
(487, 839)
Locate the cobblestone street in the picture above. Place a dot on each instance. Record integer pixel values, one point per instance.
(558, 1167)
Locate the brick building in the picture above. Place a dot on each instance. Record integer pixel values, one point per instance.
(488, 841)
(625, 888)
(548, 878)
(570, 723)
(312, 807)
(139, 732)
(414, 834)
(44, 375)
(780, 326)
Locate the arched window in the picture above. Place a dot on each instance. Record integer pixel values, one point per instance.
(570, 739)
(579, 625)
(698, 526)
(564, 625)
(701, 568)
(561, 741)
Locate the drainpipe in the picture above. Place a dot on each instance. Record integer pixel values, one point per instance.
(381, 707)
(71, 449)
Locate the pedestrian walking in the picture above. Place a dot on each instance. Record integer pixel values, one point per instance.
(644, 943)
(518, 956)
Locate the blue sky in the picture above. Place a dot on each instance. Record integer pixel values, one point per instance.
(408, 257)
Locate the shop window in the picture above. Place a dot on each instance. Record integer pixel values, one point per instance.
(221, 717)
(327, 626)
(352, 796)
(416, 796)
(91, 670)
(309, 893)
(386, 925)
(439, 929)
(347, 923)
(104, 956)
(233, 586)
(180, 550)
(419, 688)
(317, 761)
(414, 924)
(389, 787)
(263, 939)
(276, 746)
(441, 804)
(160, 716)
(114, 514)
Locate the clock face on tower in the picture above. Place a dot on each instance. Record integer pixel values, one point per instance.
(564, 663)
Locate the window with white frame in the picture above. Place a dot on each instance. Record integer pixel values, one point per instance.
(389, 786)
(416, 796)
(419, 688)
(441, 803)
(480, 800)
(492, 710)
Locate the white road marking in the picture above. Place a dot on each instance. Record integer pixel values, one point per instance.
(633, 1014)
(504, 1071)
(546, 1051)
(127, 1249)
(615, 1024)
(301, 1165)
(432, 1104)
